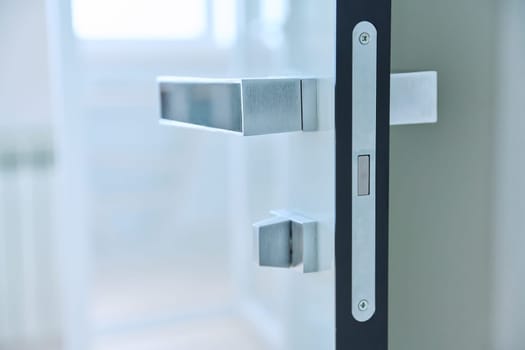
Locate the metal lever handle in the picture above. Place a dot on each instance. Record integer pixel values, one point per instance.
(275, 105)
(287, 240)
(244, 106)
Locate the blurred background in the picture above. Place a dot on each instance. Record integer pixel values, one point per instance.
(117, 233)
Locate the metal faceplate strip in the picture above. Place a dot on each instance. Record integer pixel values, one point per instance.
(364, 72)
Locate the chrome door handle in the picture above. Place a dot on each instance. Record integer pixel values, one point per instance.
(287, 240)
(275, 105)
(243, 106)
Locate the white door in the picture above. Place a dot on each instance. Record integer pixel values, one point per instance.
(164, 258)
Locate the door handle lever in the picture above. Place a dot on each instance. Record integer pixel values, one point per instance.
(243, 106)
(276, 105)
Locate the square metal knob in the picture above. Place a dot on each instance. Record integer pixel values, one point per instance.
(287, 240)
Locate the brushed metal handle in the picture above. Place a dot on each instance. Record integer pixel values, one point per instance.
(243, 106)
(276, 105)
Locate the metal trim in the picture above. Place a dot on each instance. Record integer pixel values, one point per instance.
(350, 333)
(364, 90)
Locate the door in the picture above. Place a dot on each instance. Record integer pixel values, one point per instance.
(189, 221)
(292, 166)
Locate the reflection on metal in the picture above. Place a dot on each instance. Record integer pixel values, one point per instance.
(244, 106)
(287, 240)
(276, 105)
(309, 104)
(364, 72)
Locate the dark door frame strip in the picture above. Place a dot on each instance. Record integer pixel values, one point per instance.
(351, 334)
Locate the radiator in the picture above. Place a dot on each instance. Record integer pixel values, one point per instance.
(28, 280)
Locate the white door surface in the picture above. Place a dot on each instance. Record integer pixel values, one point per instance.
(165, 257)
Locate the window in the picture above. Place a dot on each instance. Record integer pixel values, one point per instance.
(194, 20)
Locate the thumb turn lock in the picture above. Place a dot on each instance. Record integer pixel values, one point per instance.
(287, 240)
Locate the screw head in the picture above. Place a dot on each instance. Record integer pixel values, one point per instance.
(363, 305)
(364, 38)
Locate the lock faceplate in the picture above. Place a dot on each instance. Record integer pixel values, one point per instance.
(364, 77)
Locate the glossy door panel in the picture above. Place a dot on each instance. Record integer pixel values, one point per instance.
(170, 239)
(171, 256)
